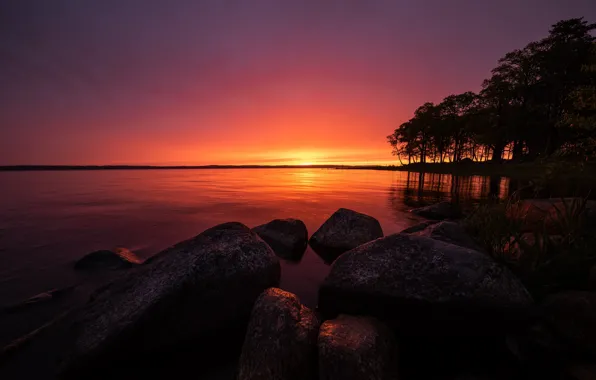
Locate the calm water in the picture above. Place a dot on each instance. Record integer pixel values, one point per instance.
(49, 219)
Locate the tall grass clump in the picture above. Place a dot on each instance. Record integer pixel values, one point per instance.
(550, 248)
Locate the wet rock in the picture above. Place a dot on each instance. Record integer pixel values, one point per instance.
(119, 258)
(450, 232)
(419, 227)
(200, 290)
(439, 211)
(356, 348)
(572, 315)
(281, 339)
(39, 299)
(287, 237)
(344, 230)
(426, 285)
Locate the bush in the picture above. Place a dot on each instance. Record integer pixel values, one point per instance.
(545, 262)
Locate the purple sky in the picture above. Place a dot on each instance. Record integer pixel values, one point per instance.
(231, 81)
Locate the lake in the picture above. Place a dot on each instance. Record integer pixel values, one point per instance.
(49, 219)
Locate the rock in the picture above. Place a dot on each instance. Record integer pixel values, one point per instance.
(572, 315)
(415, 282)
(200, 290)
(592, 278)
(582, 371)
(439, 211)
(419, 227)
(39, 299)
(281, 339)
(119, 258)
(356, 348)
(287, 237)
(538, 350)
(452, 233)
(344, 230)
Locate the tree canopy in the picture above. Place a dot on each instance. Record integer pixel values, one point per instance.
(540, 101)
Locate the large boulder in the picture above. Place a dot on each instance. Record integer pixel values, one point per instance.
(450, 232)
(287, 237)
(344, 230)
(439, 211)
(119, 258)
(199, 293)
(357, 348)
(425, 285)
(281, 339)
(572, 315)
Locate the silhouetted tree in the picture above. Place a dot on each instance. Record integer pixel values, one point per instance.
(539, 100)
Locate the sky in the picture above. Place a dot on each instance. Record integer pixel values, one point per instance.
(194, 82)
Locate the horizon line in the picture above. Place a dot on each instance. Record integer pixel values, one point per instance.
(164, 167)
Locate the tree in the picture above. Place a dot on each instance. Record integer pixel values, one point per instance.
(539, 100)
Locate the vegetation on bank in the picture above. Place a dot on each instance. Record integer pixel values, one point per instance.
(549, 244)
(540, 170)
(539, 103)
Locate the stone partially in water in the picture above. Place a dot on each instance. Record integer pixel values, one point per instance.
(281, 339)
(439, 211)
(201, 291)
(357, 348)
(287, 237)
(119, 258)
(344, 230)
(450, 232)
(39, 299)
(425, 285)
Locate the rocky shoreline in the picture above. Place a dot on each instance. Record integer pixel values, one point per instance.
(424, 303)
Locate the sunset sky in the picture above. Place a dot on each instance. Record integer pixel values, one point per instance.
(242, 81)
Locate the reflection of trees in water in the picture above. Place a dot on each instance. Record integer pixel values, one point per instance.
(419, 189)
(553, 188)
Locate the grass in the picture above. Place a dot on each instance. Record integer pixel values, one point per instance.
(553, 254)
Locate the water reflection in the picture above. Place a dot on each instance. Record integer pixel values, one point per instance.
(49, 219)
(419, 189)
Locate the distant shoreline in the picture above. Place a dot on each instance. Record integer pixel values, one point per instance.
(527, 170)
(185, 167)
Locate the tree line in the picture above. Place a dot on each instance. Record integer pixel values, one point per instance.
(540, 101)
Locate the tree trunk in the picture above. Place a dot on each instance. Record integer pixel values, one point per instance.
(518, 150)
(498, 152)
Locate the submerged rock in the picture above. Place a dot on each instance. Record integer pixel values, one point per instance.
(425, 284)
(119, 258)
(439, 211)
(357, 348)
(39, 299)
(287, 237)
(344, 230)
(201, 290)
(281, 339)
(450, 232)
(572, 315)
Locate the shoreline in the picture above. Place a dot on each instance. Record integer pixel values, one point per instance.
(527, 170)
